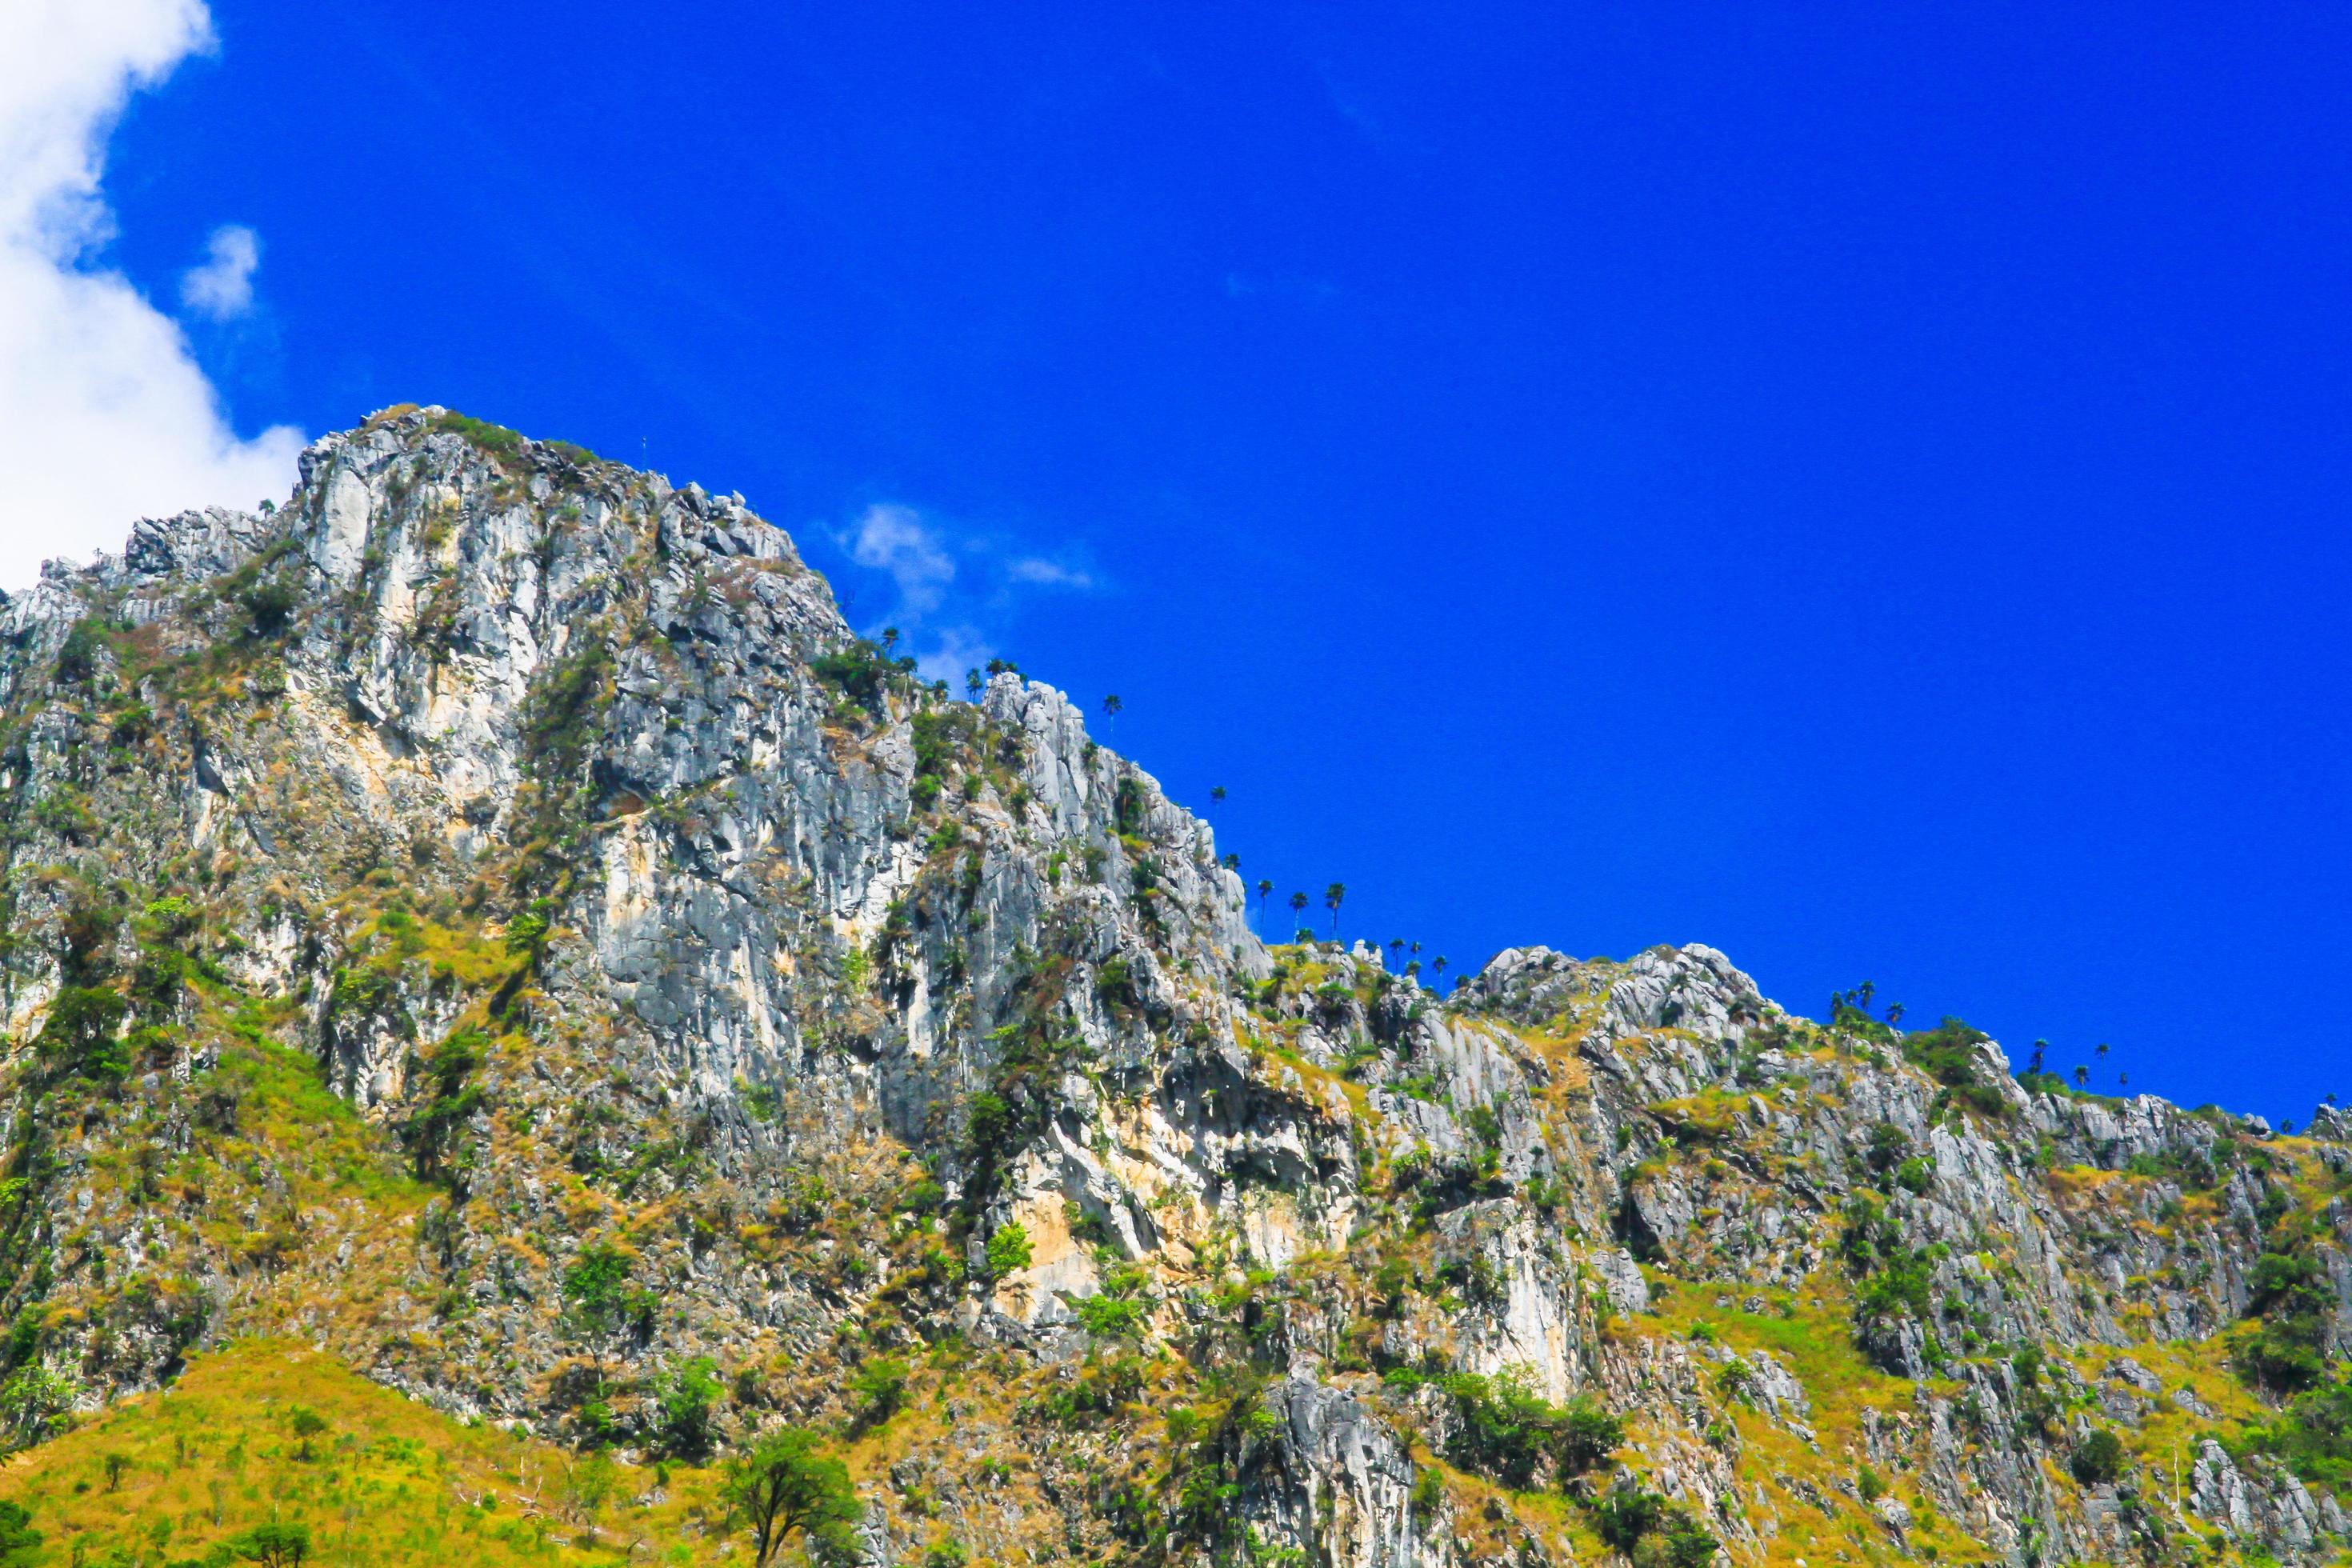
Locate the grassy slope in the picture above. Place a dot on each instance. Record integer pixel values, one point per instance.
(387, 1481)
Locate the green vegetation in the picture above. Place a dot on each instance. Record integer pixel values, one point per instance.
(212, 1467)
(273, 1545)
(880, 1385)
(2098, 1458)
(1651, 1530)
(785, 1484)
(495, 440)
(1509, 1432)
(179, 1173)
(1892, 1279)
(2313, 1436)
(863, 673)
(684, 1400)
(561, 716)
(1118, 1310)
(1008, 1250)
(941, 735)
(602, 1302)
(2295, 1301)
(452, 1099)
(1032, 1049)
(20, 1543)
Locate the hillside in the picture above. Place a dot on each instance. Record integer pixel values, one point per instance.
(493, 959)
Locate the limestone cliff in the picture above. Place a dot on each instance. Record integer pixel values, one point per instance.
(495, 870)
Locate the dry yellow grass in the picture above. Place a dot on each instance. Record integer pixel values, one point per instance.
(170, 1478)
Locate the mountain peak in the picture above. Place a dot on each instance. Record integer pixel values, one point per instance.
(491, 919)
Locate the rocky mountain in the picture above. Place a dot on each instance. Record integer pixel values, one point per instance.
(490, 924)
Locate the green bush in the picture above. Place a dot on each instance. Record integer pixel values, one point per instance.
(269, 605)
(1948, 1053)
(2191, 1170)
(881, 1384)
(495, 440)
(862, 672)
(1895, 1278)
(600, 1301)
(273, 1545)
(565, 707)
(941, 736)
(20, 1543)
(2313, 1437)
(786, 1483)
(453, 1099)
(527, 932)
(79, 1036)
(77, 655)
(2291, 1293)
(1008, 1250)
(988, 1123)
(2097, 1460)
(1505, 1430)
(1650, 1529)
(1127, 805)
(2284, 1355)
(1110, 1318)
(682, 1401)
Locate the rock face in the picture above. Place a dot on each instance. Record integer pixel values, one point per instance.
(491, 919)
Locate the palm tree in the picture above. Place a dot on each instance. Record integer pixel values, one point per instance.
(2100, 1050)
(1332, 897)
(1297, 905)
(1112, 708)
(2081, 1076)
(1396, 949)
(1437, 964)
(889, 638)
(972, 682)
(1265, 886)
(1216, 795)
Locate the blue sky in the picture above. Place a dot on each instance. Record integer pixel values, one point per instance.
(1863, 487)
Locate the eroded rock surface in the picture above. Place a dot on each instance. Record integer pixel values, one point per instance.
(495, 861)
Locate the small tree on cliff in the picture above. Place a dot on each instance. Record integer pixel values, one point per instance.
(787, 1483)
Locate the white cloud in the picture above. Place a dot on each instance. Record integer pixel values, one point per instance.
(222, 287)
(104, 414)
(1044, 573)
(896, 539)
(955, 588)
(957, 650)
